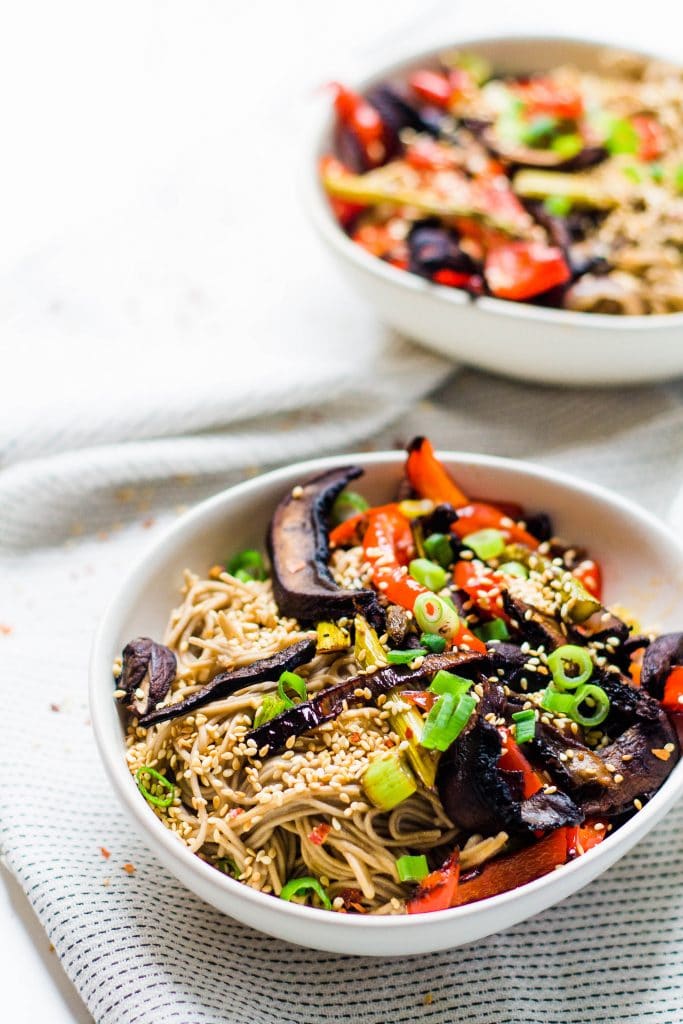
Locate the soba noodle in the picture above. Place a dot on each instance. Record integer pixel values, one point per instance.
(255, 817)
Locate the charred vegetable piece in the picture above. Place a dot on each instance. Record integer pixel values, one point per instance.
(147, 673)
(397, 623)
(437, 891)
(227, 683)
(397, 114)
(513, 869)
(331, 637)
(330, 703)
(298, 546)
(661, 656)
(480, 796)
(600, 781)
(434, 248)
(534, 627)
(550, 159)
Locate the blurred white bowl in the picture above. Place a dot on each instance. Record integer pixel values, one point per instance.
(551, 346)
(643, 567)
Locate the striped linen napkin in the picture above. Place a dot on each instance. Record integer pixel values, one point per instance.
(143, 950)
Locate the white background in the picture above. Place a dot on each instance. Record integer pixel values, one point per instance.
(119, 114)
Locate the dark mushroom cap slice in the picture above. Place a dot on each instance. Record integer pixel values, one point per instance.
(330, 703)
(227, 683)
(518, 155)
(479, 796)
(298, 546)
(532, 625)
(661, 656)
(606, 781)
(147, 672)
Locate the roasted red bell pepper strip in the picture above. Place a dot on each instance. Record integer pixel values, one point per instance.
(388, 545)
(429, 478)
(438, 890)
(544, 96)
(582, 838)
(514, 869)
(513, 760)
(431, 86)
(453, 279)
(520, 270)
(651, 143)
(362, 119)
(352, 529)
(483, 586)
(480, 516)
(589, 574)
(673, 690)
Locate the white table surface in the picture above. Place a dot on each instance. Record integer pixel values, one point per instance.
(59, 80)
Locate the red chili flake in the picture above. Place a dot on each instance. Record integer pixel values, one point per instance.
(320, 833)
(355, 737)
(409, 733)
(129, 869)
(235, 812)
(55, 707)
(105, 852)
(422, 699)
(5, 629)
(389, 743)
(352, 900)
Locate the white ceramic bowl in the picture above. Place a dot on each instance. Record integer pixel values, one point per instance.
(643, 565)
(553, 346)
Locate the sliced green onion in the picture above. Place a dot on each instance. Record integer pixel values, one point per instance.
(633, 173)
(270, 707)
(525, 725)
(657, 173)
(348, 504)
(228, 866)
(408, 725)
(290, 683)
(575, 659)
(485, 543)
(412, 869)
(247, 565)
(414, 508)
(496, 629)
(449, 682)
(161, 780)
(387, 781)
(557, 206)
(438, 547)
(436, 614)
(429, 574)
(297, 886)
(558, 703)
(405, 657)
(434, 643)
(622, 137)
(596, 696)
(514, 569)
(678, 178)
(567, 145)
(446, 720)
(537, 130)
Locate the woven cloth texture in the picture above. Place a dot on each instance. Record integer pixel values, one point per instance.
(172, 329)
(142, 950)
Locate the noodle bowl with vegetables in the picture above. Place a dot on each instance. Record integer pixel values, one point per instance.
(402, 708)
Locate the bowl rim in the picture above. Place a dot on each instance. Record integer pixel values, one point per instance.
(320, 212)
(111, 746)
